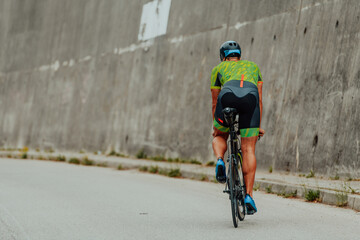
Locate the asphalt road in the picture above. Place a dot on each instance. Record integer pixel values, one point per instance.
(51, 200)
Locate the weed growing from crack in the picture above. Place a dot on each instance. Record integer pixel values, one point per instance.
(143, 169)
(141, 154)
(210, 163)
(285, 194)
(61, 158)
(204, 178)
(268, 189)
(311, 174)
(256, 187)
(154, 169)
(174, 173)
(113, 153)
(194, 161)
(86, 161)
(312, 195)
(102, 164)
(158, 158)
(341, 199)
(163, 172)
(74, 161)
(336, 177)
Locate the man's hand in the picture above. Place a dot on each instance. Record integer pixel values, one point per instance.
(261, 132)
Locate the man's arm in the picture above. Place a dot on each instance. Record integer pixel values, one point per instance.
(260, 98)
(215, 87)
(262, 132)
(214, 94)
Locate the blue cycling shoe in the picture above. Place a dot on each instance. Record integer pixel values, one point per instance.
(220, 172)
(250, 205)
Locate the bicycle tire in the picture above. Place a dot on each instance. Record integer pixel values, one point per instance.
(242, 189)
(233, 195)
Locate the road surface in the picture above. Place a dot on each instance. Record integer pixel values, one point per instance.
(52, 200)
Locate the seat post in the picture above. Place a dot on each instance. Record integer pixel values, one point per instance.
(230, 115)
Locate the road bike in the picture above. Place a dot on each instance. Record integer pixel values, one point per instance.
(235, 184)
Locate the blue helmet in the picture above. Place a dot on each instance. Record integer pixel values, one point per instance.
(230, 49)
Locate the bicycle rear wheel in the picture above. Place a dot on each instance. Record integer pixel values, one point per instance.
(241, 189)
(233, 193)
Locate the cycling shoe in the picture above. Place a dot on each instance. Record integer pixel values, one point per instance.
(250, 205)
(220, 171)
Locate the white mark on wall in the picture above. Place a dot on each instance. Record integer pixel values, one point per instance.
(297, 148)
(183, 38)
(84, 59)
(55, 66)
(115, 51)
(203, 61)
(311, 6)
(71, 63)
(65, 63)
(134, 47)
(323, 2)
(239, 25)
(171, 77)
(44, 68)
(177, 39)
(154, 19)
(297, 157)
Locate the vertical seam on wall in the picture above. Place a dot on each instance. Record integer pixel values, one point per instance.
(296, 39)
(228, 21)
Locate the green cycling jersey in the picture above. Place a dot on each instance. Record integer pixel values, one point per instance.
(235, 70)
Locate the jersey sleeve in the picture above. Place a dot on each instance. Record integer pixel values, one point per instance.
(260, 80)
(215, 79)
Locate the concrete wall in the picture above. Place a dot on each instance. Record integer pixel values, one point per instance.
(74, 75)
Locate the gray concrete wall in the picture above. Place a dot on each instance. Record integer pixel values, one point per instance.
(74, 76)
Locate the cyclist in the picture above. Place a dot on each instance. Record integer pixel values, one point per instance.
(237, 84)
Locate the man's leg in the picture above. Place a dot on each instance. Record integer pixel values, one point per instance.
(249, 162)
(219, 147)
(219, 143)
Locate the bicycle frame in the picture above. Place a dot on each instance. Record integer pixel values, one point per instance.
(234, 140)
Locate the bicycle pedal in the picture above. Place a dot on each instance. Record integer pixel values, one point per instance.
(226, 191)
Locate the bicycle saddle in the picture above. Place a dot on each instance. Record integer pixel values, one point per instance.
(228, 110)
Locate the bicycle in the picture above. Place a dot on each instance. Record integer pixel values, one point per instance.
(235, 184)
